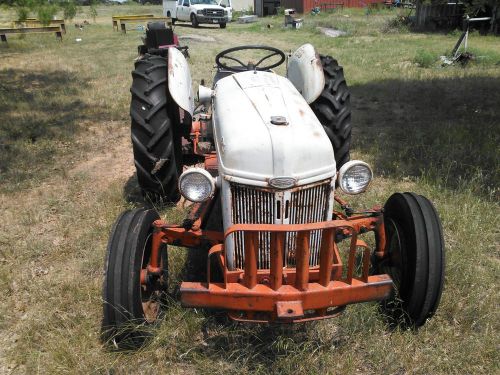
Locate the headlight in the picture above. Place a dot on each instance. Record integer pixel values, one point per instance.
(354, 177)
(199, 11)
(196, 185)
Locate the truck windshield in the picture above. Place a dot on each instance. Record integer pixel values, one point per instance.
(209, 2)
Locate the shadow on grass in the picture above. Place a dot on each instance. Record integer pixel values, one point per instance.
(202, 26)
(132, 192)
(257, 348)
(446, 130)
(39, 111)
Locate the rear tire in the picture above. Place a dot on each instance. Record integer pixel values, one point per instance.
(128, 306)
(415, 259)
(333, 109)
(156, 141)
(194, 21)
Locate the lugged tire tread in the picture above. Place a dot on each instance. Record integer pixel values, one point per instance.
(333, 109)
(152, 133)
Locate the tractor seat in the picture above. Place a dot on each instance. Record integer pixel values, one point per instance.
(159, 36)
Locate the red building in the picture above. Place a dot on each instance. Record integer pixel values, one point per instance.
(267, 7)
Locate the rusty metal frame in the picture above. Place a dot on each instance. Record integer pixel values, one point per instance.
(280, 294)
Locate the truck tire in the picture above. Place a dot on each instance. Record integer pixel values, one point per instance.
(155, 140)
(169, 14)
(414, 259)
(131, 307)
(222, 25)
(333, 109)
(194, 21)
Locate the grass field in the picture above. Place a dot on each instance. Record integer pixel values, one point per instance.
(66, 172)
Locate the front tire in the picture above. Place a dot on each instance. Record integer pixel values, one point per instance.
(333, 109)
(414, 259)
(222, 25)
(129, 307)
(156, 141)
(194, 21)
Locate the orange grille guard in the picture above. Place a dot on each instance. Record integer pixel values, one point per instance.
(297, 294)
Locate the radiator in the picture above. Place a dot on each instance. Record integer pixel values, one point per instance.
(306, 204)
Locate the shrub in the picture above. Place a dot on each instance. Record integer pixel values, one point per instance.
(22, 13)
(397, 24)
(93, 9)
(424, 59)
(46, 12)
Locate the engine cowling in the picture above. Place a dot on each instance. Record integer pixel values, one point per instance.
(264, 129)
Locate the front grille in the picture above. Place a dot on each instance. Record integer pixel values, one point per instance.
(213, 12)
(308, 204)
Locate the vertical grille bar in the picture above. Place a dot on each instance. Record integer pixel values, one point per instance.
(302, 275)
(251, 245)
(326, 257)
(276, 266)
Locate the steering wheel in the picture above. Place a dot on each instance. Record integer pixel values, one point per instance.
(250, 66)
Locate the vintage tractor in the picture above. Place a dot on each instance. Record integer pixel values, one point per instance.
(274, 151)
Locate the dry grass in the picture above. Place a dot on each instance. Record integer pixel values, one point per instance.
(66, 172)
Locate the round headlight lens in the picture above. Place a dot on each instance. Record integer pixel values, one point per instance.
(355, 176)
(196, 185)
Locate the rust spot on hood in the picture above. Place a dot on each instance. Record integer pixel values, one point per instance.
(318, 61)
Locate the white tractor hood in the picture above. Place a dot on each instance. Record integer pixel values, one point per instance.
(251, 149)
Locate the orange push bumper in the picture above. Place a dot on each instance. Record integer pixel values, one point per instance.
(302, 292)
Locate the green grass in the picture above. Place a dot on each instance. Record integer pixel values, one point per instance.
(66, 172)
(424, 59)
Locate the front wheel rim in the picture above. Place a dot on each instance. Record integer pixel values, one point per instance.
(392, 264)
(150, 291)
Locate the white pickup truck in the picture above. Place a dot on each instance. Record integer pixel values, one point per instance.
(199, 11)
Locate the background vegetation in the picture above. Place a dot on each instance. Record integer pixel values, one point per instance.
(66, 172)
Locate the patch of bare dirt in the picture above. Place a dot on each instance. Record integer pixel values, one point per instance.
(113, 162)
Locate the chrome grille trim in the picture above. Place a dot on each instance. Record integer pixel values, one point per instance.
(251, 205)
(308, 213)
(213, 12)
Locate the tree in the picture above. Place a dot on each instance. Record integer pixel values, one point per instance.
(44, 9)
(69, 9)
(93, 9)
(471, 6)
(481, 8)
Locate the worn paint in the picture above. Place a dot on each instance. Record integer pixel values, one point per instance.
(305, 71)
(179, 80)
